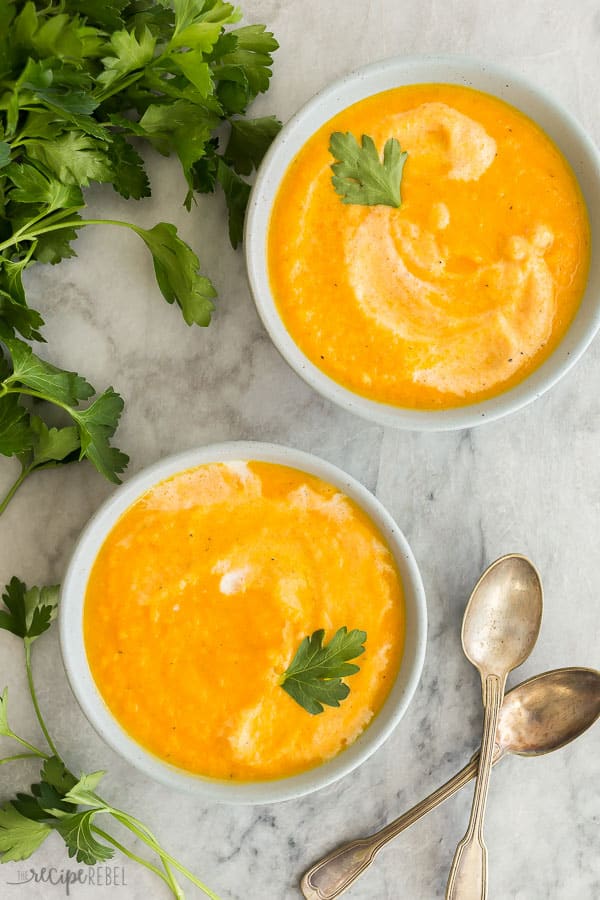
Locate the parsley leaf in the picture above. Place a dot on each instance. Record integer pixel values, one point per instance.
(51, 446)
(189, 12)
(249, 140)
(215, 169)
(55, 384)
(49, 800)
(314, 677)
(30, 185)
(178, 273)
(196, 69)
(15, 430)
(14, 312)
(28, 806)
(204, 172)
(4, 154)
(55, 773)
(97, 424)
(39, 446)
(130, 179)
(237, 192)
(249, 64)
(19, 837)
(182, 126)
(360, 176)
(75, 158)
(62, 87)
(55, 246)
(28, 613)
(76, 827)
(129, 52)
(76, 831)
(107, 15)
(83, 791)
(46, 800)
(15, 315)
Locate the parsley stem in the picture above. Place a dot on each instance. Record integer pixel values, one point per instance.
(34, 700)
(172, 881)
(7, 389)
(121, 85)
(28, 255)
(126, 822)
(24, 231)
(34, 750)
(138, 859)
(8, 759)
(148, 838)
(51, 218)
(13, 489)
(74, 223)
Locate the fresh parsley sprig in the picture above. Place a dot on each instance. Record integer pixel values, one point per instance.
(25, 379)
(360, 176)
(61, 802)
(314, 677)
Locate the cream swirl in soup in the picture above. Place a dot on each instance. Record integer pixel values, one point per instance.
(200, 598)
(460, 292)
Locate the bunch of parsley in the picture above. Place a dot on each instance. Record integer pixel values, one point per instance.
(59, 802)
(78, 80)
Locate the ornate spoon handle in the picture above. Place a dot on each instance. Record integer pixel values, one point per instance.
(468, 879)
(335, 873)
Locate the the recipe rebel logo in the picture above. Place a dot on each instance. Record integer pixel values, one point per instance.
(90, 876)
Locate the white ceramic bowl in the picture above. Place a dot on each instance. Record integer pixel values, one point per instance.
(91, 702)
(564, 130)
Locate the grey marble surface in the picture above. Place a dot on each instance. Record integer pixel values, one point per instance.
(529, 483)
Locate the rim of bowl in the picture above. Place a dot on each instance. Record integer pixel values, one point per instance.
(103, 720)
(562, 128)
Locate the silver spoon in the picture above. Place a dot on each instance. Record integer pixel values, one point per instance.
(539, 716)
(500, 627)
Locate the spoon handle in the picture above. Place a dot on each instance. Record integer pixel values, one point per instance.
(468, 875)
(332, 875)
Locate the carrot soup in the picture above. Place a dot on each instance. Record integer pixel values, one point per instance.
(462, 291)
(200, 597)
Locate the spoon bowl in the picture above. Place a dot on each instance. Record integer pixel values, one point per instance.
(548, 711)
(503, 617)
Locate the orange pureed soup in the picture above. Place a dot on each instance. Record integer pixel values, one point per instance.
(200, 597)
(461, 292)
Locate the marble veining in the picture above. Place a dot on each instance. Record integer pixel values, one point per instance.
(528, 483)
